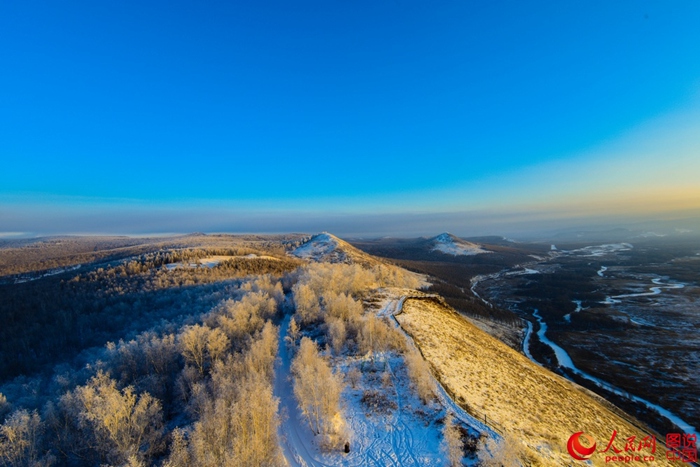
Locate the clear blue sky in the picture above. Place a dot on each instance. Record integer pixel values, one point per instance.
(330, 106)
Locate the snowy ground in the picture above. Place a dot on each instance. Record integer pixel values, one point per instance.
(52, 272)
(600, 250)
(212, 261)
(318, 247)
(392, 307)
(398, 431)
(444, 243)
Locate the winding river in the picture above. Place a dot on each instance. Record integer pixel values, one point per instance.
(564, 360)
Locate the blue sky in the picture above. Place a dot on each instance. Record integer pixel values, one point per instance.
(331, 108)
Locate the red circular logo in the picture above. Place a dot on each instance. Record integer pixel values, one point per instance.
(577, 450)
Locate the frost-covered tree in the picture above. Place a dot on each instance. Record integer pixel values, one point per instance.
(342, 306)
(421, 377)
(337, 334)
(236, 412)
(293, 329)
(317, 389)
(179, 450)
(307, 304)
(193, 343)
(122, 424)
(500, 453)
(238, 428)
(19, 440)
(202, 345)
(452, 442)
(266, 285)
(244, 317)
(217, 344)
(260, 358)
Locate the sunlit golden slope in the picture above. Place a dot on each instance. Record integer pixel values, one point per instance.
(534, 406)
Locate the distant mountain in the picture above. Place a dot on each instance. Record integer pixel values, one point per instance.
(450, 245)
(478, 255)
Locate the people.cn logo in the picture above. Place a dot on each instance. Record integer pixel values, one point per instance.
(577, 450)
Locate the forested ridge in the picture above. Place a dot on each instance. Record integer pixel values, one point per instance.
(54, 317)
(162, 360)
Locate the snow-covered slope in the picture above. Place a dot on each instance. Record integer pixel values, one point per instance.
(325, 247)
(317, 247)
(451, 245)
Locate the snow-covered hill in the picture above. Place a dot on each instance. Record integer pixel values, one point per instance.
(451, 245)
(317, 247)
(325, 247)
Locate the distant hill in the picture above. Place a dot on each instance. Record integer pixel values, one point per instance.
(450, 245)
(448, 248)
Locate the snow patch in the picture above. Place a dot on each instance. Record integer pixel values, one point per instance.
(319, 247)
(522, 272)
(651, 235)
(579, 308)
(602, 250)
(212, 261)
(52, 272)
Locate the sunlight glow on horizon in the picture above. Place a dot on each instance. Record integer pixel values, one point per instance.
(341, 112)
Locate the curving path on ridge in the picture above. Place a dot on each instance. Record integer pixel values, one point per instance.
(399, 439)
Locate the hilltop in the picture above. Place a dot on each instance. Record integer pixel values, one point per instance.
(327, 248)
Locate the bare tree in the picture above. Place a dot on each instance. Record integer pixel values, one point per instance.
(503, 453)
(263, 351)
(377, 336)
(217, 344)
(337, 334)
(421, 377)
(317, 389)
(19, 439)
(123, 423)
(193, 342)
(179, 451)
(452, 442)
(354, 376)
(202, 345)
(307, 304)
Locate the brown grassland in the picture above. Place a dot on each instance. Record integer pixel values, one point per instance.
(533, 406)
